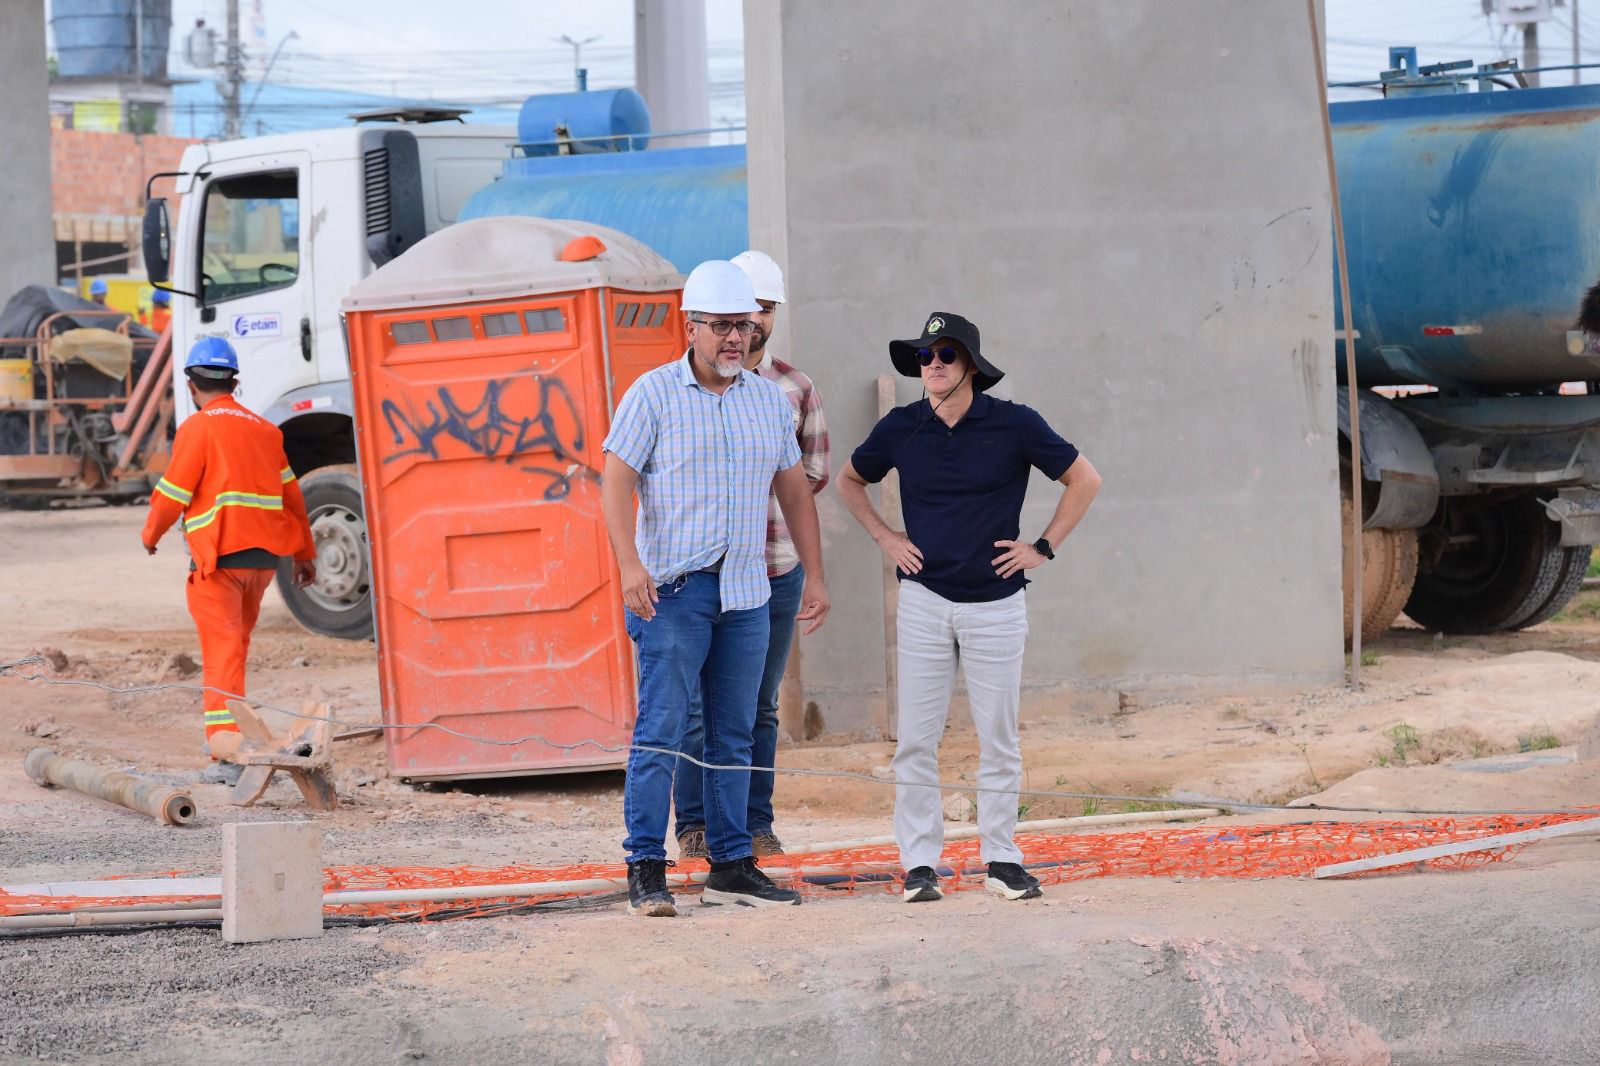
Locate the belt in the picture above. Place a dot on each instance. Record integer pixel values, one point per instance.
(714, 568)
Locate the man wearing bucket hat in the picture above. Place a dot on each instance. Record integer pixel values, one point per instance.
(703, 442)
(240, 507)
(784, 574)
(964, 459)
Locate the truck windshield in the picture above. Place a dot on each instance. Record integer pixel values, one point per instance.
(251, 238)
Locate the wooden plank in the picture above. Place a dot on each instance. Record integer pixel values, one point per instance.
(889, 505)
(252, 785)
(250, 724)
(317, 790)
(1459, 847)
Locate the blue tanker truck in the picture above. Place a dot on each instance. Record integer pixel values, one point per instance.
(1466, 215)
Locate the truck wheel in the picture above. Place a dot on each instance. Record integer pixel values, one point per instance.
(339, 602)
(1569, 581)
(1501, 566)
(1388, 567)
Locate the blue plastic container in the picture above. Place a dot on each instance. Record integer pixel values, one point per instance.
(96, 38)
(609, 113)
(689, 204)
(1473, 227)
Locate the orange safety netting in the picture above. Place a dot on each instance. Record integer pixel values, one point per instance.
(1233, 851)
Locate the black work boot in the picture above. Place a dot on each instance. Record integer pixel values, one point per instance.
(647, 889)
(741, 882)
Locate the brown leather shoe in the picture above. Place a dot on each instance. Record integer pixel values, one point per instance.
(765, 843)
(692, 844)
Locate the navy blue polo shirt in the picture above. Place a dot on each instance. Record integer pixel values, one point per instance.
(962, 487)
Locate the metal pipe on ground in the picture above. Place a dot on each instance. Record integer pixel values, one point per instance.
(82, 919)
(163, 802)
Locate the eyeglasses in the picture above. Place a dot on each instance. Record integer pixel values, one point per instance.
(723, 326)
(946, 355)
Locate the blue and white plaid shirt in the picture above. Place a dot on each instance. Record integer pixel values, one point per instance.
(705, 464)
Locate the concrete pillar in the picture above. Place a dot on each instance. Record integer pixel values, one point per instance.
(27, 239)
(669, 61)
(1130, 200)
(271, 881)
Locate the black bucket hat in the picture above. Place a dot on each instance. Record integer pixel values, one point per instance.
(951, 327)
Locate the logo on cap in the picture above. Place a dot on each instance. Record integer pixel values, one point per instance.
(935, 325)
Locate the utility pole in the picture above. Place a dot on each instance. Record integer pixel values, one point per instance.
(1575, 59)
(233, 75)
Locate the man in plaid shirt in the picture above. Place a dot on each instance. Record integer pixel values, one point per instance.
(784, 573)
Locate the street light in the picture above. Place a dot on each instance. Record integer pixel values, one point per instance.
(577, 57)
(290, 36)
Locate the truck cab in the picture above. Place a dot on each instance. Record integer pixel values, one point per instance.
(269, 234)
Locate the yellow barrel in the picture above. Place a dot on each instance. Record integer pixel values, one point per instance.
(16, 379)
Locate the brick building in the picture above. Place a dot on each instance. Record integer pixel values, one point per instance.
(97, 181)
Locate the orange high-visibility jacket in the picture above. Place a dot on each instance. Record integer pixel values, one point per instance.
(230, 483)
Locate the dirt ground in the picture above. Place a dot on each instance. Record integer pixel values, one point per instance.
(1099, 971)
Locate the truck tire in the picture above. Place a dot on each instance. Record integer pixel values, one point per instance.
(1388, 568)
(1570, 580)
(339, 603)
(1506, 567)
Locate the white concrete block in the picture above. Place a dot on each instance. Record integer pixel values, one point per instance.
(271, 881)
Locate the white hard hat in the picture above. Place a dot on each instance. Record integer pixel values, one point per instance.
(717, 287)
(764, 274)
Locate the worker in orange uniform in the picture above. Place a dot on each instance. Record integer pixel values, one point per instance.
(160, 311)
(241, 509)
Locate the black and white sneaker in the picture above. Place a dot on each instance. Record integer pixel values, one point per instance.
(922, 885)
(1010, 881)
(741, 882)
(647, 889)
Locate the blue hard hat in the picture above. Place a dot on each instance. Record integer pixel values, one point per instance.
(161, 296)
(97, 287)
(212, 357)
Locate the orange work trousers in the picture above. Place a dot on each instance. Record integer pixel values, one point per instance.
(225, 607)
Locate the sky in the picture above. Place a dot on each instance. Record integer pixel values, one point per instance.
(496, 52)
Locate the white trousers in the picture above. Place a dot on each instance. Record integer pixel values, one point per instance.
(987, 640)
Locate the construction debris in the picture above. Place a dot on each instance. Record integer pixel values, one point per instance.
(160, 801)
(305, 753)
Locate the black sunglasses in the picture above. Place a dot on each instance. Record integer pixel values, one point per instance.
(946, 355)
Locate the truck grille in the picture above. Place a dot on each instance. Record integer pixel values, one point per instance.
(376, 165)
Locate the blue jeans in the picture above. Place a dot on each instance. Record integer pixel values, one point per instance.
(688, 790)
(692, 652)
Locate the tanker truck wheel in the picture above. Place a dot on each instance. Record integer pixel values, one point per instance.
(339, 602)
(1568, 582)
(1494, 568)
(1388, 567)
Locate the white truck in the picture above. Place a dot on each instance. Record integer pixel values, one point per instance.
(270, 233)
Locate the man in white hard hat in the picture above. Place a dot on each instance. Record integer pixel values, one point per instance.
(703, 442)
(784, 572)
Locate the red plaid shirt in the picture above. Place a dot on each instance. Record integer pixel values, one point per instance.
(811, 431)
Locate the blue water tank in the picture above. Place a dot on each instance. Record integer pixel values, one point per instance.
(1471, 222)
(96, 38)
(610, 113)
(689, 204)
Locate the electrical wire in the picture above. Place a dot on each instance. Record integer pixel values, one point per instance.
(793, 771)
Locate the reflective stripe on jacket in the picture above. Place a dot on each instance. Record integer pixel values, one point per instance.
(230, 484)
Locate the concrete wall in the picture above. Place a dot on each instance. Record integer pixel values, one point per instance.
(1130, 200)
(27, 251)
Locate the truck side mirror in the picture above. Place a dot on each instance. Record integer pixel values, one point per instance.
(157, 240)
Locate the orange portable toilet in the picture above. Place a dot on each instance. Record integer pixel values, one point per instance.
(485, 364)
